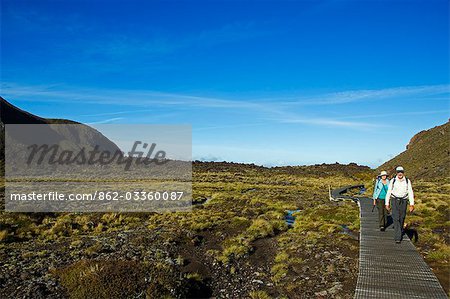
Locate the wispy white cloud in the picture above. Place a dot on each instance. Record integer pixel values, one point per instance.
(334, 123)
(117, 112)
(142, 98)
(275, 109)
(351, 96)
(145, 97)
(410, 113)
(228, 126)
(142, 115)
(106, 121)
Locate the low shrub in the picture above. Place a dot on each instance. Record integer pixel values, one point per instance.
(102, 279)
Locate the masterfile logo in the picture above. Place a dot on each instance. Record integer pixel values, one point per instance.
(73, 167)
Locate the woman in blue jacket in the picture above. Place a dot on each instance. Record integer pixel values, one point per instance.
(379, 198)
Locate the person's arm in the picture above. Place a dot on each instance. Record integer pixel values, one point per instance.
(388, 194)
(410, 197)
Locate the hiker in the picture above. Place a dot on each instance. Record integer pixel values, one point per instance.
(399, 193)
(379, 196)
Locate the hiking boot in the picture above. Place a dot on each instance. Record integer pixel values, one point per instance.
(398, 242)
(382, 229)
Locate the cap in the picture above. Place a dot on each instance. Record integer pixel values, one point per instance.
(400, 169)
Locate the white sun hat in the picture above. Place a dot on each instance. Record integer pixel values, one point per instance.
(383, 173)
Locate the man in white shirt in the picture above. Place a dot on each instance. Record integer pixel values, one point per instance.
(398, 194)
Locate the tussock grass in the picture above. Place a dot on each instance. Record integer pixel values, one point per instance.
(246, 205)
(431, 221)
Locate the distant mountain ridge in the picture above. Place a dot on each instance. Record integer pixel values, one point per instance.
(74, 137)
(426, 156)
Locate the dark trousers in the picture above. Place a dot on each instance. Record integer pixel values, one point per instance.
(398, 216)
(382, 212)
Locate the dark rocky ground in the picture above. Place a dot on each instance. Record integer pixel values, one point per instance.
(236, 245)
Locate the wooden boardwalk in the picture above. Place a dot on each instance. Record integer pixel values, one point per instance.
(390, 270)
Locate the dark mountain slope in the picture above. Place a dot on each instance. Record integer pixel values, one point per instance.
(426, 156)
(74, 137)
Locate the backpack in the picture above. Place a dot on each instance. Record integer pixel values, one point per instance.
(376, 182)
(378, 179)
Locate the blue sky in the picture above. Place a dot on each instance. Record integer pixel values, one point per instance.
(273, 83)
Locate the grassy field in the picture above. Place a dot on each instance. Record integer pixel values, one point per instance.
(236, 244)
(431, 221)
